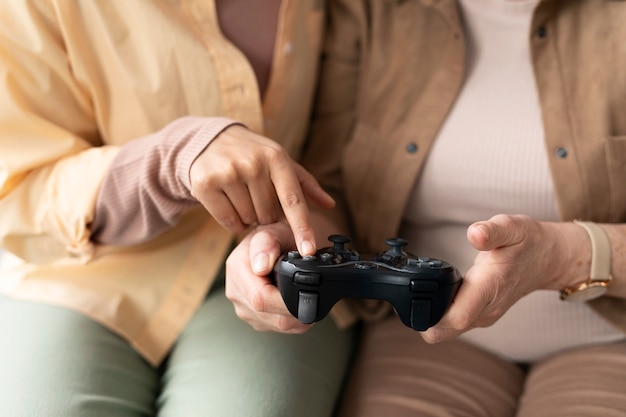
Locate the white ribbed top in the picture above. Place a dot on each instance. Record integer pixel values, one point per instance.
(490, 158)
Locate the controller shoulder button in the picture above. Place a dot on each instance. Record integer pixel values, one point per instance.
(419, 285)
(307, 278)
(309, 258)
(307, 306)
(420, 314)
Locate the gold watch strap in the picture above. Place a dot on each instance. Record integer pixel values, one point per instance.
(600, 252)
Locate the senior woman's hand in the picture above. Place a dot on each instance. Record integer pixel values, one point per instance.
(517, 255)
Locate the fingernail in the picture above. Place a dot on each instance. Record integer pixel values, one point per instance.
(261, 263)
(307, 248)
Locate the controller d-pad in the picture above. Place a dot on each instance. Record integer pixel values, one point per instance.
(307, 306)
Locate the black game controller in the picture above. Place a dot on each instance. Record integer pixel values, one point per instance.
(420, 289)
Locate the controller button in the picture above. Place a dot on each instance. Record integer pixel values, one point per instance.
(418, 285)
(420, 314)
(413, 262)
(309, 258)
(435, 263)
(307, 278)
(364, 266)
(293, 254)
(395, 245)
(339, 242)
(326, 256)
(423, 259)
(307, 306)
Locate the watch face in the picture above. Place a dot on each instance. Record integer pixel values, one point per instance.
(587, 292)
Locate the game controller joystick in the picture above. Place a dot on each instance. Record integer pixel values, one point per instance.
(419, 288)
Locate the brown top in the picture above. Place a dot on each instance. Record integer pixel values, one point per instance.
(382, 102)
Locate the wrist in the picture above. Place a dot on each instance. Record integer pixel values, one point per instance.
(573, 257)
(598, 277)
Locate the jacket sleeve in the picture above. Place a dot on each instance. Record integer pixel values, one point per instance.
(51, 158)
(147, 187)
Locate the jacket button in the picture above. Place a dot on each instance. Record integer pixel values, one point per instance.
(411, 147)
(561, 153)
(542, 31)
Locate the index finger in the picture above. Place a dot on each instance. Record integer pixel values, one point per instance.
(292, 199)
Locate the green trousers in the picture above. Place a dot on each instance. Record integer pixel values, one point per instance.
(57, 363)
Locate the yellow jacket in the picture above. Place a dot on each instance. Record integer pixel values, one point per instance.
(80, 79)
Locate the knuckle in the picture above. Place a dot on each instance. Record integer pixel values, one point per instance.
(292, 198)
(231, 222)
(257, 301)
(487, 319)
(228, 175)
(196, 176)
(247, 222)
(248, 216)
(431, 337)
(276, 154)
(463, 320)
(268, 217)
(259, 327)
(303, 230)
(300, 330)
(231, 295)
(242, 313)
(282, 324)
(494, 313)
(251, 168)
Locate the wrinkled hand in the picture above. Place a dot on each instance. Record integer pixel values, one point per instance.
(256, 298)
(243, 179)
(517, 256)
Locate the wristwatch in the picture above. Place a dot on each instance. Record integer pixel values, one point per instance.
(600, 275)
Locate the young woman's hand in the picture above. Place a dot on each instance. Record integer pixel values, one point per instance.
(244, 179)
(255, 297)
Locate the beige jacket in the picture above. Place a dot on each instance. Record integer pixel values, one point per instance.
(392, 71)
(78, 79)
